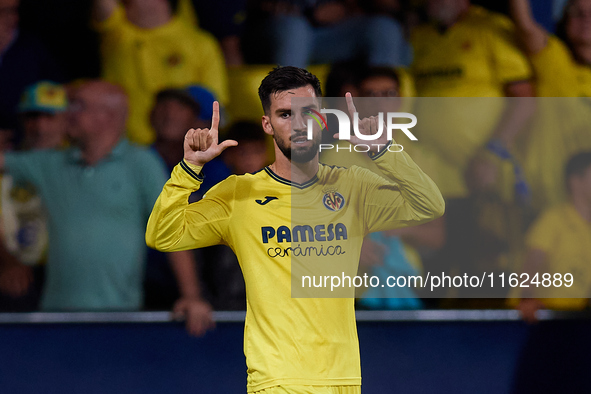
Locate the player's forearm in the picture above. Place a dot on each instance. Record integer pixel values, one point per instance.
(422, 200)
(167, 227)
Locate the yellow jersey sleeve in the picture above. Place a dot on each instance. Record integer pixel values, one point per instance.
(177, 225)
(406, 197)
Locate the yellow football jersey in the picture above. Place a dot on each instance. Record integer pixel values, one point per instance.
(267, 221)
(565, 237)
(144, 61)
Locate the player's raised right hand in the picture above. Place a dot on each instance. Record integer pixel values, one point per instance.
(201, 145)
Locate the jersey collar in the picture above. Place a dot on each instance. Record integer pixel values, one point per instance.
(290, 183)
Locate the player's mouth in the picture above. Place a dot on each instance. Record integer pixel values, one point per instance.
(300, 139)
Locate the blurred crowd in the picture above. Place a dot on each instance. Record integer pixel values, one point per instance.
(93, 114)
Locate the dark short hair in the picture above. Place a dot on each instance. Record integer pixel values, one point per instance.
(576, 166)
(342, 74)
(281, 79)
(388, 72)
(180, 95)
(245, 132)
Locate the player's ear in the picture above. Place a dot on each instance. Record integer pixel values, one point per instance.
(266, 122)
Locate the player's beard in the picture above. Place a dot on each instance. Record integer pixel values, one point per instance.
(295, 153)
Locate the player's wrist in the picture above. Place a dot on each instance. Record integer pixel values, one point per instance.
(195, 164)
(377, 150)
(194, 170)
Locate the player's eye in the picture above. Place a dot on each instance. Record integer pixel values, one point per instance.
(285, 115)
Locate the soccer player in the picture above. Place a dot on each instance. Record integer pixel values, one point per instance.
(292, 345)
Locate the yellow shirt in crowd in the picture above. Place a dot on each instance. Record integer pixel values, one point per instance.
(560, 127)
(271, 224)
(476, 57)
(565, 237)
(558, 74)
(144, 61)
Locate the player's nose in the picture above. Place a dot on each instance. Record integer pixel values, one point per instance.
(298, 124)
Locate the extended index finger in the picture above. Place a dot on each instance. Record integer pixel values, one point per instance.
(215, 118)
(350, 105)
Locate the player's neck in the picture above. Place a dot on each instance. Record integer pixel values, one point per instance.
(295, 172)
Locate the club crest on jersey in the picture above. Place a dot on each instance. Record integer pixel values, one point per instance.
(333, 200)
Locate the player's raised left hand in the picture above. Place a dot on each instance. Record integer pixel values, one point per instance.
(201, 145)
(367, 126)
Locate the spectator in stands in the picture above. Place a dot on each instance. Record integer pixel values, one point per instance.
(344, 77)
(222, 18)
(559, 242)
(466, 51)
(99, 194)
(301, 32)
(176, 111)
(145, 48)
(567, 55)
(24, 235)
(23, 61)
(468, 145)
(391, 252)
(43, 115)
(220, 268)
